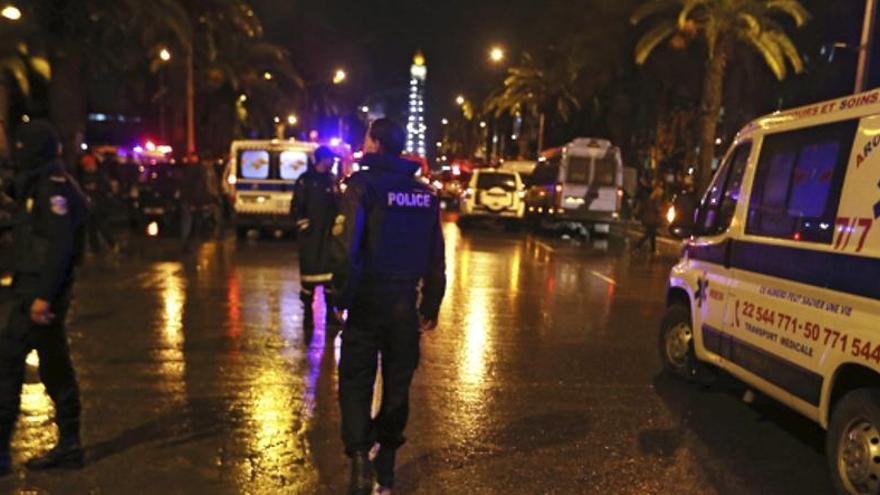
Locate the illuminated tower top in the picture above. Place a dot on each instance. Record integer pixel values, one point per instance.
(415, 127)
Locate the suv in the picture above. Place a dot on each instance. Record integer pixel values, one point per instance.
(779, 282)
(493, 193)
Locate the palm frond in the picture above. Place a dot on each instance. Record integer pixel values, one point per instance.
(651, 39)
(689, 7)
(793, 8)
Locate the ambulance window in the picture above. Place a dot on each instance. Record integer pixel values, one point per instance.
(254, 164)
(798, 182)
(292, 164)
(719, 204)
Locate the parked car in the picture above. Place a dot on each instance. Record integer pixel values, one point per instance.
(493, 193)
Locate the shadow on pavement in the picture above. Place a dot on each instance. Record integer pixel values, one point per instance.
(198, 420)
(759, 445)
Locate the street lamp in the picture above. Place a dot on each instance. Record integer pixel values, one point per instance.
(11, 13)
(164, 55)
(365, 109)
(459, 100)
(292, 120)
(444, 121)
(496, 54)
(267, 76)
(339, 76)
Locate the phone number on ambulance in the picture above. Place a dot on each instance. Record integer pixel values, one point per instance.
(810, 331)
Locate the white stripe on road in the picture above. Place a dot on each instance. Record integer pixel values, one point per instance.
(603, 277)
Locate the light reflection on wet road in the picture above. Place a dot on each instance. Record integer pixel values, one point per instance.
(198, 377)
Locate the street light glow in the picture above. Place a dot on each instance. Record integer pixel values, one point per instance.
(459, 100)
(445, 121)
(483, 124)
(277, 119)
(242, 98)
(496, 54)
(339, 77)
(11, 12)
(267, 76)
(292, 120)
(164, 55)
(365, 109)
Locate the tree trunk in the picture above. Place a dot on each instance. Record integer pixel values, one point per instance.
(68, 98)
(710, 109)
(4, 116)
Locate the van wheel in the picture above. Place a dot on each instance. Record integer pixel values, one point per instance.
(677, 343)
(852, 444)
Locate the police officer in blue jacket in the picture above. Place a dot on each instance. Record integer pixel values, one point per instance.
(391, 278)
(47, 229)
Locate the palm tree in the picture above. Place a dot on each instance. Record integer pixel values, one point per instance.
(80, 35)
(723, 25)
(536, 89)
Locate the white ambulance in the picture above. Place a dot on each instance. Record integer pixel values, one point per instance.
(779, 282)
(259, 181)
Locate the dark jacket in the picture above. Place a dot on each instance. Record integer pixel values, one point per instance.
(389, 229)
(314, 207)
(48, 230)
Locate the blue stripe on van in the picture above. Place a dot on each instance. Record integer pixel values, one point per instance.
(856, 275)
(263, 186)
(800, 382)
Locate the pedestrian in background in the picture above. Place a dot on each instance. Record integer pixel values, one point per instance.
(314, 207)
(196, 198)
(50, 217)
(651, 217)
(389, 243)
(96, 185)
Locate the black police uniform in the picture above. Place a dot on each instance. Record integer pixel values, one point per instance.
(314, 207)
(48, 229)
(390, 236)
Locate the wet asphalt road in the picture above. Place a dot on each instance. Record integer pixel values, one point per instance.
(197, 377)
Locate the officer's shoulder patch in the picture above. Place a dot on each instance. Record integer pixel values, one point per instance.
(58, 205)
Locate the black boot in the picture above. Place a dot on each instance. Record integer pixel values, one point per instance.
(384, 464)
(361, 475)
(67, 454)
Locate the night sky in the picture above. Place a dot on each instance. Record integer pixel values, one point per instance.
(375, 41)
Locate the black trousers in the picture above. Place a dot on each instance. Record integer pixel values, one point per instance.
(17, 339)
(383, 319)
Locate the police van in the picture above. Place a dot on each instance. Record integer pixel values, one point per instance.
(779, 280)
(259, 181)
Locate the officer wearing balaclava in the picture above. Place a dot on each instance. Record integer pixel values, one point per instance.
(48, 222)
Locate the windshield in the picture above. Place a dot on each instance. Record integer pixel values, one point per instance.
(578, 169)
(253, 164)
(606, 170)
(488, 180)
